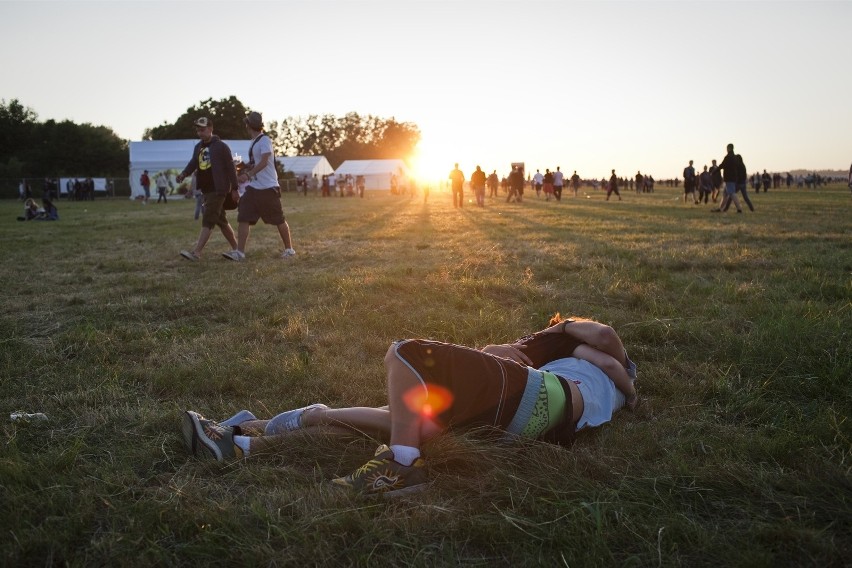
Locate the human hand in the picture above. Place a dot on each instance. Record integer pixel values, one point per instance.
(512, 352)
(180, 177)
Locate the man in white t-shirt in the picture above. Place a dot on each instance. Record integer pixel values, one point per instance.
(262, 198)
(558, 182)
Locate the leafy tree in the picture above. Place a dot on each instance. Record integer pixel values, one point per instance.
(17, 123)
(227, 115)
(351, 137)
(33, 149)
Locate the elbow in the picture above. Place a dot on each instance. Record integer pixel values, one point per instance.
(606, 338)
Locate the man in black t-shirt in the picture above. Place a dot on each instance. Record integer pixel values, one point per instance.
(216, 177)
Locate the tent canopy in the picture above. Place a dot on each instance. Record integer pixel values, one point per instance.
(306, 166)
(161, 155)
(377, 173)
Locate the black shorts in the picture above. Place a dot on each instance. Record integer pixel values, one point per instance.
(214, 211)
(486, 390)
(263, 204)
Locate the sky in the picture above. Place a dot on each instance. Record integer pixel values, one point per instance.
(587, 86)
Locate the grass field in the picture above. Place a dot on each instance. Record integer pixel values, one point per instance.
(738, 455)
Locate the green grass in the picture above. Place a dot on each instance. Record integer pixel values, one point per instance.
(739, 455)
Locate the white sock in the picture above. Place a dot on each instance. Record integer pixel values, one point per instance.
(244, 443)
(405, 454)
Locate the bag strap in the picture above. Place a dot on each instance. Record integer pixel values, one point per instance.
(251, 156)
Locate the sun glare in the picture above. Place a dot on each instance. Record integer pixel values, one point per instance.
(431, 163)
(428, 402)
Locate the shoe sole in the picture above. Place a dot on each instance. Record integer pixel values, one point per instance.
(188, 256)
(229, 257)
(341, 483)
(195, 439)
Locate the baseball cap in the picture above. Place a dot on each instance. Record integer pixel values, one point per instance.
(203, 122)
(254, 119)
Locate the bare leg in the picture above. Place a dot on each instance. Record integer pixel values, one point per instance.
(203, 237)
(284, 231)
(228, 232)
(243, 231)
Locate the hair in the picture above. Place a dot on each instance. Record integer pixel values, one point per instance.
(557, 318)
(29, 202)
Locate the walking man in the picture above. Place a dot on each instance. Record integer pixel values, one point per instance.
(732, 170)
(262, 199)
(575, 183)
(216, 176)
(477, 183)
(457, 184)
(558, 182)
(162, 186)
(689, 183)
(613, 186)
(146, 186)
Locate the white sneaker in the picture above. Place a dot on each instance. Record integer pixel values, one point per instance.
(288, 253)
(234, 255)
(239, 418)
(288, 421)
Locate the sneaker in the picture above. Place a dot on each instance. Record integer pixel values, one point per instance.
(238, 418)
(384, 476)
(206, 438)
(234, 255)
(288, 421)
(288, 253)
(189, 255)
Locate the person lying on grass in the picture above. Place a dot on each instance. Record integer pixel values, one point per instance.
(572, 375)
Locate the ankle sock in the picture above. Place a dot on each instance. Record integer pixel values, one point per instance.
(243, 443)
(405, 455)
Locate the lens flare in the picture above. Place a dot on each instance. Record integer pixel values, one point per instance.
(428, 402)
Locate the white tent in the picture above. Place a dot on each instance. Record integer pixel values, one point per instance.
(306, 166)
(377, 173)
(170, 157)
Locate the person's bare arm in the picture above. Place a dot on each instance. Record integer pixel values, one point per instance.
(613, 368)
(598, 335)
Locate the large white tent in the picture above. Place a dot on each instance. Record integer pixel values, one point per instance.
(169, 156)
(306, 166)
(377, 173)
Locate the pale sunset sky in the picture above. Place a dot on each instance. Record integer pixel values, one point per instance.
(591, 86)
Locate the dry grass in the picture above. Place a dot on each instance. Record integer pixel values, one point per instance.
(739, 455)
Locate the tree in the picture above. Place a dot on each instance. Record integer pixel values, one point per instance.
(351, 137)
(17, 123)
(33, 149)
(227, 115)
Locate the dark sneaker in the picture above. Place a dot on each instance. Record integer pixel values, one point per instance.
(384, 476)
(206, 438)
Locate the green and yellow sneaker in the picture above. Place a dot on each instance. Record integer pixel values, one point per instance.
(384, 476)
(206, 438)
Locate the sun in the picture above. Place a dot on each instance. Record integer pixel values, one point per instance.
(431, 162)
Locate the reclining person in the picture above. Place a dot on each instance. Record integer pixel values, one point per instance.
(572, 375)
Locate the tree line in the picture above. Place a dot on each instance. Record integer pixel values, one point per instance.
(34, 149)
(30, 148)
(350, 137)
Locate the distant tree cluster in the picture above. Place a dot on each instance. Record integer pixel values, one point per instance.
(29, 148)
(351, 137)
(227, 115)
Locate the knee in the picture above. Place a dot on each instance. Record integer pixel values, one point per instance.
(390, 355)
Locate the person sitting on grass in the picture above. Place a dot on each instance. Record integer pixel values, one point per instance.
(548, 385)
(32, 212)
